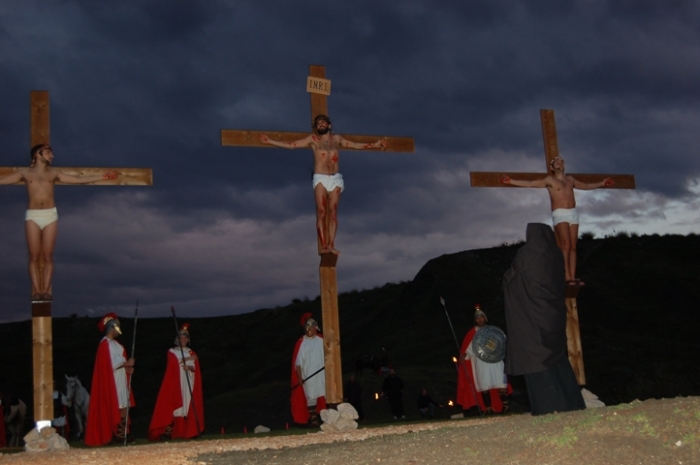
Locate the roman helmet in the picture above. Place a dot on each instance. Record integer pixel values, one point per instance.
(109, 321)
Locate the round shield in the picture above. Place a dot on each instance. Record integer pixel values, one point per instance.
(489, 344)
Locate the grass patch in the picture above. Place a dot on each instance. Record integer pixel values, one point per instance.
(567, 438)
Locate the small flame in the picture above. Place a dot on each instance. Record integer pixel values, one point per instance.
(454, 359)
(376, 396)
(451, 404)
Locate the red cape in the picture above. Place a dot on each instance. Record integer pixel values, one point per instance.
(103, 414)
(300, 410)
(465, 382)
(170, 399)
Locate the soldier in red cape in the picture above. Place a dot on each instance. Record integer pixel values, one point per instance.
(110, 393)
(470, 391)
(308, 378)
(182, 385)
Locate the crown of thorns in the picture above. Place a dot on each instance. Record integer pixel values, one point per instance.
(322, 118)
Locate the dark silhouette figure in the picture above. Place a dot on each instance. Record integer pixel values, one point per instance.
(393, 390)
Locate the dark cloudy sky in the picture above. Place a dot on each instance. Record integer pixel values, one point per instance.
(150, 83)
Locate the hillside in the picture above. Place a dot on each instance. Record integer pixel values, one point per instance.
(638, 316)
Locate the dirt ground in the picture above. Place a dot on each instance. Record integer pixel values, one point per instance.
(652, 432)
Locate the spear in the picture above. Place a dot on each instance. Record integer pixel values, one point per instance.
(133, 350)
(309, 377)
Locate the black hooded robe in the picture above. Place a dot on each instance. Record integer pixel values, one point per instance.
(535, 308)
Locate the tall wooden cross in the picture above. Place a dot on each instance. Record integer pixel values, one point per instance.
(551, 151)
(42, 340)
(319, 88)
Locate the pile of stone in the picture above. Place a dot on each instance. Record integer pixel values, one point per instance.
(339, 420)
(46, 440)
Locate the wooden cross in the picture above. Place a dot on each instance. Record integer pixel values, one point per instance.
(42, 345)
(551, 151)
(319, 88)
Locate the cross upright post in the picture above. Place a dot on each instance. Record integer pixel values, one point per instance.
(551, 151)
(42, 340)
(319, 89)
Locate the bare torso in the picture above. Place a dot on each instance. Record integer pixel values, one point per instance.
(325, 149)
(40, 187)
(561, 191)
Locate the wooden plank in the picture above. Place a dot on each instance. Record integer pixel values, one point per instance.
(331, 335)
(328, 282)
(245, 138)
(249, 138)
(572, 291)
(39, 114)
(393, 144)
(42, 336)
(328, 260)
(42, 354)
(549, 136)
(573, 341)
(493, 179)
(127, 177)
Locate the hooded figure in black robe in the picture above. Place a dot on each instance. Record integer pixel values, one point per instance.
(534, 292)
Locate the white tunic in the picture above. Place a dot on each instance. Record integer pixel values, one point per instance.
(486, 375)
(184, 387)
(310, 359)
(116, 352)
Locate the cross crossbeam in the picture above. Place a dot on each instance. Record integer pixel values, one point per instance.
(243, 138)
(127, 176)
(551, 151)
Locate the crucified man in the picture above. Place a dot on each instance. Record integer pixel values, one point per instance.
(564, 216)
(41, 220)
(327, 181)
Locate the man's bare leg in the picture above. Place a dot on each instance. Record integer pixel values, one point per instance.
(33, 234)
(41, 243)
(333, 201)
(561, 231)
(321, 197)
(48, 243)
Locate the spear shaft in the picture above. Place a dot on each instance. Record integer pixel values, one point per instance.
(133, 350)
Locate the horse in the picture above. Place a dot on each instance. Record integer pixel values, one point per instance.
(14, 419)
(78, 400)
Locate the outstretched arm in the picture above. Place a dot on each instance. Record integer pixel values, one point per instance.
(593, 185)
(13, 178)
(519, 183)
(70, 179)
(305, 142)
(381, 143)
